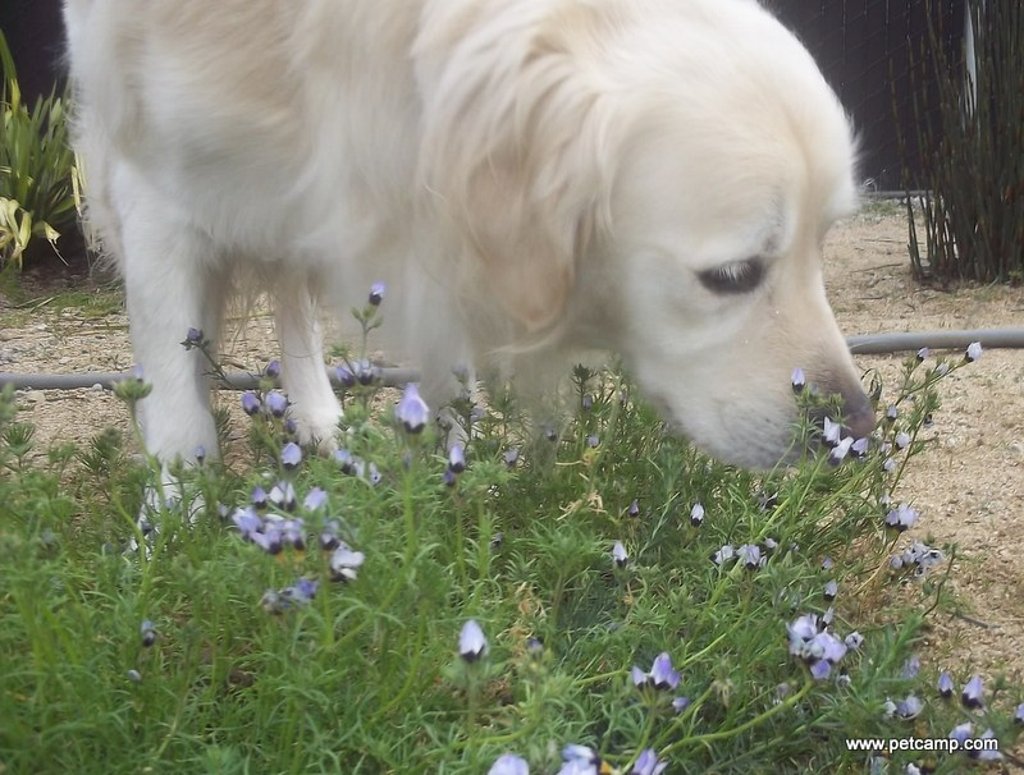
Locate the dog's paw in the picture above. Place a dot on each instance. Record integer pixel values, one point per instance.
(318, 429)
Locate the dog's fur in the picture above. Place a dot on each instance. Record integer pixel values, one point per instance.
(527, 176)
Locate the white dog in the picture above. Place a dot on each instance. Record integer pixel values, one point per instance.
(649, 177)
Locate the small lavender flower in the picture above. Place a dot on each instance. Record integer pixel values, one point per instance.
(345, 563)
(973, 352)
(697, 515)
(912, 769)
(291, 455)
(634, 509)
(301, 592)
(923, 353)
(282, 495)
(1018, 716)
(366, 373)
(329, 536)
(472, 643)
(534, 646)
(911, 667)
(277, 403)
(148, 632)
(750, 556)
(945, 685)
(679, 704)
(269, 539)
(315, 499)
(942, 369)
(511, 457)
(889, 465)
(248, 522)
(972, 694)
(859, 448)
(901, 518)
(798, 380)
(892, 412)
(663, 676)
(647, 763)
(509, 764)
(820, 670)
(457, 459)
(250, 403)
(412, 411)
(344, 376)
(344, 460)
(854, 641)
(831, 590)
(723, 555)
(831, 432)
(909, 708)
(272, 369)
(449, 478)
(587, 402)
(827, 563)
(593, 442)
(194, 337)
(579, 760)
(902, 440)
(987, 754)
(962, 732)
(291, 534)
(619, 554)
(840, 451)
(377, 294)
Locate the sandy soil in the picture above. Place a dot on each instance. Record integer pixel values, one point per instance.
(969, 485)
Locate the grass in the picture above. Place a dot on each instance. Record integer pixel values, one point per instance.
(366, 677)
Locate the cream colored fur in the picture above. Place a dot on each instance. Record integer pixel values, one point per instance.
(530, 177)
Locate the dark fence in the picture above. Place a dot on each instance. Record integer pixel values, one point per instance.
(873, 54)
(869, 50)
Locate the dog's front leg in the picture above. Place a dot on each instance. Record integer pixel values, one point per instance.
(313, 404)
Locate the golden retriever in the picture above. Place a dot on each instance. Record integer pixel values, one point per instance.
(528, 177)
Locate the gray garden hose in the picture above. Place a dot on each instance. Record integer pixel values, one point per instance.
(868, 344)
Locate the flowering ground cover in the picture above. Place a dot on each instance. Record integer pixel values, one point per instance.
(586, 596)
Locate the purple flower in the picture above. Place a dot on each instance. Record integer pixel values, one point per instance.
(987, 754)
(291, 455)
(509, 764)
(148, 632)
(269, 539)
(273, 369)
(859, 448)
(973, 352)
(377, 293)
(723, 555)
(282, 495)
(375, 476)
(344, 376)
(250, 403)
(902, 440)
(579, 760)
(832, 432)
(259, 497)
(366, 373)
(923, 353)
(909, 708)
(662, 675)
(831, 590)
(902, 517)
(619, 554)
(315, 499)
(750, 556)
(962, 732)
(248, 522)
(449, 478)
(820, 670)
(697, 515)
(511, 457)
(840, 451)
(329, 536)
(679, 704)
(457, 459)
(911, 667)
(1018, 716)
(194, 337)
(593, 442)
(945, 685)
(587, 402)
(634, 509)
(291, 534)
(345, 563)
(972, 694)
(303, 591)
(853, 641)
(277, 403)
(412, 411)
(892, 412)
(344, 460)
(647, 763)
(199, 453)
(472, 643)
(798, 380)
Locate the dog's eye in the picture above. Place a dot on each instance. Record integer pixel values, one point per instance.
(737, 277)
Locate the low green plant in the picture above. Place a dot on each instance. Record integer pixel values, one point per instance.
(38, 177)
(973, 159)
(396, 607)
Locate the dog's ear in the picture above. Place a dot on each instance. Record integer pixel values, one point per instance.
(516, 150)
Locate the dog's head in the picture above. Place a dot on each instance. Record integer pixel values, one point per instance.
(662, 186)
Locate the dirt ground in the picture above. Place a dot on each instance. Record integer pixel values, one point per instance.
(969, 485)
